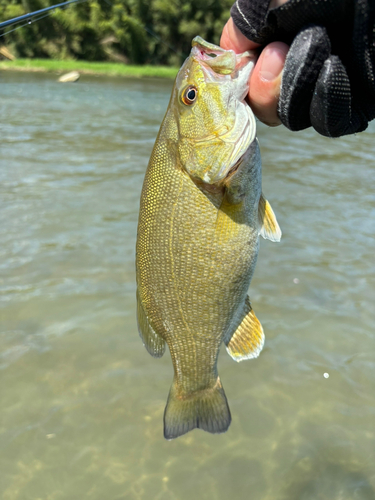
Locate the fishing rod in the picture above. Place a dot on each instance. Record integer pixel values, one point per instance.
(29, 17)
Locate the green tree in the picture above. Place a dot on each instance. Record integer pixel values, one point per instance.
(137, 31)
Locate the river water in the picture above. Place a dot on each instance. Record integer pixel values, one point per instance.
(82, 401)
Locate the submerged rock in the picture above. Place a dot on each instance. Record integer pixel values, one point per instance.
(5, 52)
(73, 76)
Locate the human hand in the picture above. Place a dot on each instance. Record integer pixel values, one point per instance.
(328, 76)
(265, 79)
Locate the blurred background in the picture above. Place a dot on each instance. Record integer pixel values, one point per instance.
(130, 31)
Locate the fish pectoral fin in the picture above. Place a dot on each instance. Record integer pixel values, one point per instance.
(206, 409)
(154, 344)
(248, 340)
(268, 226)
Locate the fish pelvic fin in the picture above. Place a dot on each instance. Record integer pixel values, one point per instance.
(154, 344)
(205, 409)
(268, 225)
(248, 339)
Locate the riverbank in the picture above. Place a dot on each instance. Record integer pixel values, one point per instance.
(89, 68)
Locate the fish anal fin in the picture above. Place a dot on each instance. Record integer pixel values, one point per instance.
(206, 409)
(268, 225)
(248, 339)
(154, 344)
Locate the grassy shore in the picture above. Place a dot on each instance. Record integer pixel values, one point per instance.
(90, 68)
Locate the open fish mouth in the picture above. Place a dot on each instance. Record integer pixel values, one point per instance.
(221, 61)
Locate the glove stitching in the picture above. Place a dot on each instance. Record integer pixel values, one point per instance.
(242, 14)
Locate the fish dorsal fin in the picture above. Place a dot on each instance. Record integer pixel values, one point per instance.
(154, 344)
(268, 226)
(248, 340)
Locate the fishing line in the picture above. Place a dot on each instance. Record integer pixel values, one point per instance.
(31, 21)
(33, 17)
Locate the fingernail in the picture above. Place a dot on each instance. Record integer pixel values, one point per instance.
(273, 60)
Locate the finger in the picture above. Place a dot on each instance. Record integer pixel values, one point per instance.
(276, 3)
(265, 81)
(332, 111)
(233, 39)
(306, 56)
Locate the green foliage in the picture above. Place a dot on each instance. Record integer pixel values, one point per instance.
(134, 31)
(90, 68)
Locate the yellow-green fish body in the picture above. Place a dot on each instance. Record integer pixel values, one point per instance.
(198, 232)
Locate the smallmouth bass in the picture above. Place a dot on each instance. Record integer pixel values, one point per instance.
(201, 214)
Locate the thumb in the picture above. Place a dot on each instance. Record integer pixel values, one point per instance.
(233, 39)
(265, 81)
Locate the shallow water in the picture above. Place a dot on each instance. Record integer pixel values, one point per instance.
(82, 401)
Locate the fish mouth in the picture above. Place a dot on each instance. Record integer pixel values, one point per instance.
(221, 61)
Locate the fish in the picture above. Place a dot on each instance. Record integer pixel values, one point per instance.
(201, 214)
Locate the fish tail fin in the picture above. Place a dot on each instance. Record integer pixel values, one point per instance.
(206, 409)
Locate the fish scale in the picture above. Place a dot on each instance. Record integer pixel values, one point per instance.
(196, 251)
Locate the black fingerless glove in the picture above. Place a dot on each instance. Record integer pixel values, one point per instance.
(329, 75)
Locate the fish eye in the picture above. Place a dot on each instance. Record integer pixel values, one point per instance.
(189, 95)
